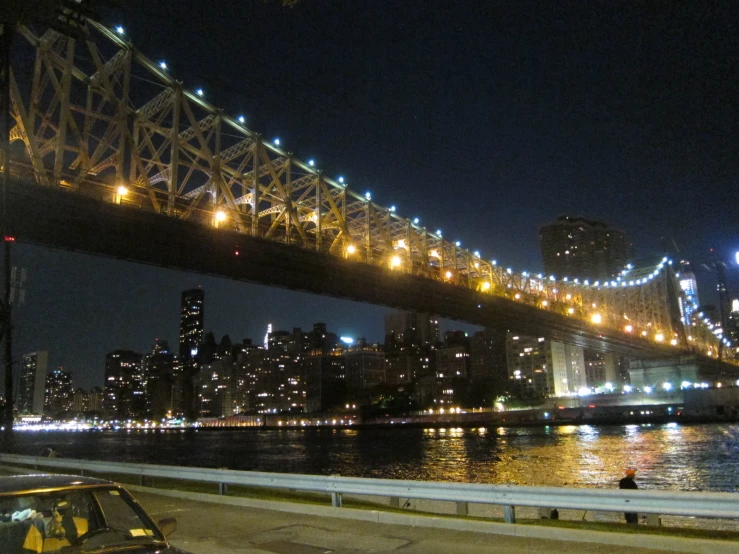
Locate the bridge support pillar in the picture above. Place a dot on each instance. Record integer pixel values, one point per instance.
(509, 514)
(611, 363)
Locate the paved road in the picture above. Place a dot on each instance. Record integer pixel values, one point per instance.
(205, 528)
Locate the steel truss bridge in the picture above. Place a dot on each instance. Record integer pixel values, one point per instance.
(112, 155)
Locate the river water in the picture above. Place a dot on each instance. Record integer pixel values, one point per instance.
(668, 456)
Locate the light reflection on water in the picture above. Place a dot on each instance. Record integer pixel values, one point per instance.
(669, 456)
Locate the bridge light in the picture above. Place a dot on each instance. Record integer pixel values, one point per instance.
(220, 215)
(368, 195)
(667, 386)
(659, 337)
(643, 333)
(596, 318)
(341, 180)
(509, 271)
(401, 243)
(434, 253)
(242, 119)
(351, 249)
(416, 221)
(457, 243)
(276, 142)
(395, 261)
(628, 388)
(673, 342)
(163, 64)
(486, 286)
(629, 328)
(392, 208)
(448, 275)
(311, 163)
(494, 262)
(570, 311)
(476, 254)
(517, 296)
(568, 297)
(199, 92)
(120, 30)
(647, 389)
(122, 190)
(544, 303)
(565, 279)
(438, 233)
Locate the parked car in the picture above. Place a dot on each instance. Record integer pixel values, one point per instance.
(71, 515)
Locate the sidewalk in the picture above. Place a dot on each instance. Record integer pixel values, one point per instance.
(239, 526)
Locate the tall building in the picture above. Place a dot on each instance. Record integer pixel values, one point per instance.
(33, 383)
(124, 387)
(192, 324)
(59, 392)
(539, 367)
(365, 365)
(159, 371)
(410, 340)
(192, 321)
(581, 248)
(412, 328)
(689, 286)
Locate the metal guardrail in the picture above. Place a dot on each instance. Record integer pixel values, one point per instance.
(678, 503)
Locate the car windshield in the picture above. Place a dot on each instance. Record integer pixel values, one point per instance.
(70, 521)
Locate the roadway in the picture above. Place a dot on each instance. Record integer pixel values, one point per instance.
(208, 528)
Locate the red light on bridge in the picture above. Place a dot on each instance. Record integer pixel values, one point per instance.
(9, 239)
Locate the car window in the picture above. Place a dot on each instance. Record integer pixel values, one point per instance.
(120, 515)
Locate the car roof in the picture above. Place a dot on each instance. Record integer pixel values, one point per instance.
(18, 483)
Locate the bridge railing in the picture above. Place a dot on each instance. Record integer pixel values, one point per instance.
(678, 503)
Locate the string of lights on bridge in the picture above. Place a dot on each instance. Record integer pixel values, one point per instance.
(622, 280)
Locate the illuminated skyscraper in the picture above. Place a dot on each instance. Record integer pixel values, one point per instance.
(192, 320)
(32, 383)
(59, 392)
(192, 323)
(689, 285)
(124, 387)
(578, 247)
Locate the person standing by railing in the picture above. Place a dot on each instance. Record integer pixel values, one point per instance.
(629, 483)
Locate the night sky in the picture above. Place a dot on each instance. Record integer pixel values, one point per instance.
(485, 119)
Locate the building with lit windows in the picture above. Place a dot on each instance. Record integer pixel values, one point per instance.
(365, 365)
(576, 247)
(159, 376)
(540, 368)
(125, 396)
(59, 392)
(192, 325)
(32, 383)
(689, 286)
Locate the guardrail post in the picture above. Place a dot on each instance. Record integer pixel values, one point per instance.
(336, 499)
(509, 514)
(394, 502)
(223, 489)
(142, 481)
(462, 508)
(654, 520)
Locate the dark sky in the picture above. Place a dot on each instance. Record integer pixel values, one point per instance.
(485, 119)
